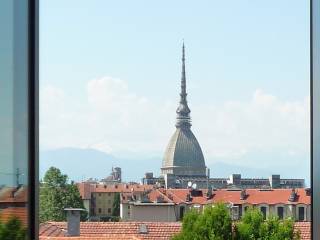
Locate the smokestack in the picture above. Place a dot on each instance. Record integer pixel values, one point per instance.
(73, 221)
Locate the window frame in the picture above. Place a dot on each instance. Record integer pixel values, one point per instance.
(278, 207)
(315, 116)
(33, 29)
(304, 213)
(33, 119)
(266, 207)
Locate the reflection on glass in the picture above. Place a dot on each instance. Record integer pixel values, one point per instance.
(14, 113)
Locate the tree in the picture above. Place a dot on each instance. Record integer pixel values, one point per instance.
(56, 194)
(252, 226)
(116, 205)
(13, 230)
(213, 224)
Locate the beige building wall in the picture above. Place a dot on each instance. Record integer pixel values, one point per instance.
(86, 204)
(307, 211)
(103, 203)
(153, 212)
(125, 211)
(289, 210)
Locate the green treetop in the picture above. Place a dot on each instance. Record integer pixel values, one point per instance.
(213, 224)
(12, 230)
(253, 226)
(56, 194)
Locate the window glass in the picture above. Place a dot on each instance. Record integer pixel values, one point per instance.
(14, 111)
(154, 114)
(301, 214)
(280, 212)
(181, 212)
(264, 211)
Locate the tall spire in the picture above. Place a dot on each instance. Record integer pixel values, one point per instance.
(183, 111)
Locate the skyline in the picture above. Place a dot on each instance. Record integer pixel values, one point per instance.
(120, 93)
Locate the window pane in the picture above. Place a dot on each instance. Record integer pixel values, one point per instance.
(232, 99)
(301, 214)
(280, 212)
(264, 212)
(14, 110)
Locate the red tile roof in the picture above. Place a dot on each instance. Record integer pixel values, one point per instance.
(111, 230)
(13, 195)
(86, 189)
(253, 196)
(19, 212)
(180, 196)
(129, 230)
(304, 228)
(156, 194)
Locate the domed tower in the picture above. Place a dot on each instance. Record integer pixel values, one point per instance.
(183, 156)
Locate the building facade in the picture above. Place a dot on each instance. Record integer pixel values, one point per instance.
(171, 204)
(98, 198)
(233, 181)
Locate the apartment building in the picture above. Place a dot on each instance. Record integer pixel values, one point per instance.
(98, 198)
(171, 204)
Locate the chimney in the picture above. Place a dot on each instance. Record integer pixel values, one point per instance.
(293, 195)
(73, 221)
(243, 194)
(209, 193)
(308, 191)
(143, 229)
(188, 198)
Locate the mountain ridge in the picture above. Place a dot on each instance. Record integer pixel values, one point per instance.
(71, 161)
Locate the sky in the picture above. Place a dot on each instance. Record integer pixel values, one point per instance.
(110, 74)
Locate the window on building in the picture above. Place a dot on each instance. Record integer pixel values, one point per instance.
(301, 211)
(264, 211)
(181, 214)
(99, 210)
(109, 210)
(99, 194)
(280, 212)
(235, 212)
(109, 194)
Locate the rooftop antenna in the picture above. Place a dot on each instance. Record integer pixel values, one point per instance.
(17, 175)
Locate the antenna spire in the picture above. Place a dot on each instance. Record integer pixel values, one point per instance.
(183, 111)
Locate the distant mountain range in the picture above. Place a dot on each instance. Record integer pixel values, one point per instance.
(80, 164)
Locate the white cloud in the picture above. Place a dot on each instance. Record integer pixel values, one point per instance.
(263, 124)
(114, 119)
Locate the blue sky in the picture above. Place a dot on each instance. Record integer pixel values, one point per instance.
(247, 74)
